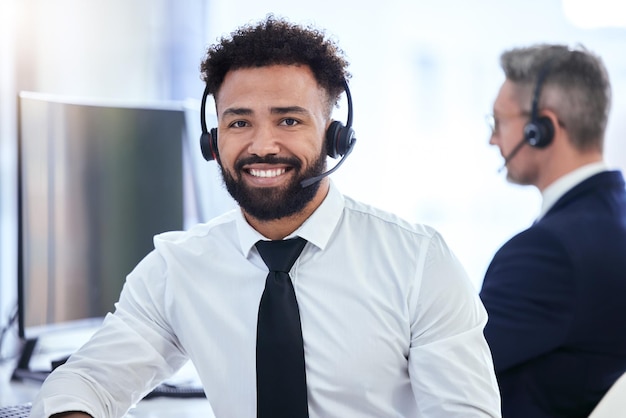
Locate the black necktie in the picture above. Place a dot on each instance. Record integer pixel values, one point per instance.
(280, 373)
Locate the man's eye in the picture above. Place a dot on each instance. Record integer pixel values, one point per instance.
(289, 122)
(239, 124)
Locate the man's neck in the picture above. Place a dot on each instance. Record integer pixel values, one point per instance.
(564, 166)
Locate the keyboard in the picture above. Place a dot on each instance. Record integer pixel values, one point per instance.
(163, 390)
(175, 391)
(15, 411)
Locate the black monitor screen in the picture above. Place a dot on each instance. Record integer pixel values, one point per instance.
(96, 182)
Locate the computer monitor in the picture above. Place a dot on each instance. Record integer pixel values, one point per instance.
(96, 181)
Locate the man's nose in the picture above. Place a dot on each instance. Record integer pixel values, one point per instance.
(264, 141)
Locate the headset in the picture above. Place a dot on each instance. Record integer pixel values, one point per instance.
(340, 138)
(539, 131)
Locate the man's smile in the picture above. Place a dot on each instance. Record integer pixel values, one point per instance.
(275, 172)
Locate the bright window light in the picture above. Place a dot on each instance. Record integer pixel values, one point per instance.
(587, 14)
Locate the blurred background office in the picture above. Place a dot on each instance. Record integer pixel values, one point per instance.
(425, 74)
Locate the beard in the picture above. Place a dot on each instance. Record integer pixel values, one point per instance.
(271, 203)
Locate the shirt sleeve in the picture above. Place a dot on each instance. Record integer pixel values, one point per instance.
(450, 365)
(132, 352)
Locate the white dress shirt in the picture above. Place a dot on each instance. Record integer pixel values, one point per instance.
(392, 326)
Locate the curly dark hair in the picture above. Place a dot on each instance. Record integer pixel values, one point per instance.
(277, 41)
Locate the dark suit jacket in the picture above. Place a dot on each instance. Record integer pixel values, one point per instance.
(556, 298)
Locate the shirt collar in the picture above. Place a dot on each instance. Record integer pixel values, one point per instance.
(317, 229)
(556, 190)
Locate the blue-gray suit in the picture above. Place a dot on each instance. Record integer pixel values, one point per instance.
(556, 298)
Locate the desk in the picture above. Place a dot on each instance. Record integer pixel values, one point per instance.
(13, 393)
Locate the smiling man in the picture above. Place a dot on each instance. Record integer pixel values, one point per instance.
(361, 314)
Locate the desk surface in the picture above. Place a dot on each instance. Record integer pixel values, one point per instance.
(13, 393)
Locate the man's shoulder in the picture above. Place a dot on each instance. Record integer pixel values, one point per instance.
(567, 231)
(367, 214)
(544, 233)
(208, 229)
(591, 193)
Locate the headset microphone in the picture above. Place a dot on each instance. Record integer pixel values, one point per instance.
(313, 180)
(512, 154)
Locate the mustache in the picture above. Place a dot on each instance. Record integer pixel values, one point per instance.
(268, 159)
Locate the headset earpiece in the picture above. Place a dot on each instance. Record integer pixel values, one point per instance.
(208, 145)
(539, 131)
(208, 139)
(339, 139)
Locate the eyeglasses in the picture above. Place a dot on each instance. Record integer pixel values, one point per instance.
(493, 121)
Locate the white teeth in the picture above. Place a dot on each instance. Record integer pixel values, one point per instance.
(267, 173)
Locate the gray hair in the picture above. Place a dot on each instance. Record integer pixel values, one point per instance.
(575, 86)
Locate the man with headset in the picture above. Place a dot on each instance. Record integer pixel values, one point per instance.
(555, 293)
(386, 322)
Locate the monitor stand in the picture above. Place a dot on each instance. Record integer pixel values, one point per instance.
(52, 345)
(22, 369)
